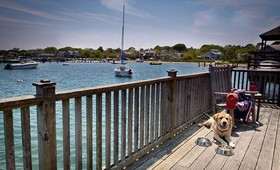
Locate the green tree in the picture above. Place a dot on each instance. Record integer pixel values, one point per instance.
(111, 53)
(190, 54)
(230, 54)
(87, 53)
(133, 55)
(100, 49)
(159, 48)
(180, 47)
(99, 54)
(50, 50)
(66, 49)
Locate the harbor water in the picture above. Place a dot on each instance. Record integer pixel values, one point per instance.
(73, 76)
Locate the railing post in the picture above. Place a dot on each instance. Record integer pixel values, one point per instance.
(46, 122)
(173, 74)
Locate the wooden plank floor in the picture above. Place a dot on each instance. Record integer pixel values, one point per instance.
(256, 148)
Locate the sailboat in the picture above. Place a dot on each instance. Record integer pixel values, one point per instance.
(123, 71)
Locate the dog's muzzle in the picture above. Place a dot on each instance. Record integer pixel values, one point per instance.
(223, 125)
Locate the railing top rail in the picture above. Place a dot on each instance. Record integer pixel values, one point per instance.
(258, 70)
(22, 101)
(30, 100)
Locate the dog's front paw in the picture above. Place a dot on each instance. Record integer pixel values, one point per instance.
(231, 144)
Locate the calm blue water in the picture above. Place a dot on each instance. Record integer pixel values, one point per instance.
(80, 75)
(77, 75)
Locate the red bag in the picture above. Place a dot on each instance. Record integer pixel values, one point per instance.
(232, 99)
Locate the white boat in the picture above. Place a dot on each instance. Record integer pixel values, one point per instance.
(138, 60)
(22, 65)
(123, 71)
(116, 62)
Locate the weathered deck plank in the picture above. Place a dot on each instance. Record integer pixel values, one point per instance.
(256, 148)
(251, 157)
(266, 154)
(276, 158)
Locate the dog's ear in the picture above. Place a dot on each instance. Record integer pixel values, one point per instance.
(215, 116)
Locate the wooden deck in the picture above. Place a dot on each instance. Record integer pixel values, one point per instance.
(256, 148)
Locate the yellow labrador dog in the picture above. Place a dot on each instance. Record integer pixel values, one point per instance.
(221, 123)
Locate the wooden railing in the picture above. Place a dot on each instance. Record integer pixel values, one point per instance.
(267, 82)
(112, 126)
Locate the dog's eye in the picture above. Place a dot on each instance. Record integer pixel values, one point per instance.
(226, 118)
(220, 118)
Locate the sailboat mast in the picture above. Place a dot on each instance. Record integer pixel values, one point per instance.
(123, 32)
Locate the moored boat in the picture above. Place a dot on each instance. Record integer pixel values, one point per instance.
(22, 65)
(123, 71)
(138, 60)
(155, 63)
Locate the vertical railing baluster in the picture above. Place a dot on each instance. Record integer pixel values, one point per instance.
(78, 132)
(142, 104)
(152, 117)
(66, 133)
(9, 139)
(26, 139)
(99, 131)
(157, 110)
(116, 127)
(89, 132)
(147, 115)
(123, 129)
(136, 118)
(129, 123)
(108, 131)
(163, 109)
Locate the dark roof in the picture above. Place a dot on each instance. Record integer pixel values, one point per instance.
(273, 34)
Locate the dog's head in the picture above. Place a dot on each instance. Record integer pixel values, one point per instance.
(223, 120)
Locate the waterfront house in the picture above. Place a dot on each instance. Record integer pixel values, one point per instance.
(213, 54)
(175, 56)
(149, 54)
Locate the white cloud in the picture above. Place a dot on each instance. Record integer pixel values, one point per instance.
(90, 17)
(247, 17)
(20, 21)
(18, 7)
(233, 3)
(201, 18)
(129, 8)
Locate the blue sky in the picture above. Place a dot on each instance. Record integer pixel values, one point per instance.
(31, 24)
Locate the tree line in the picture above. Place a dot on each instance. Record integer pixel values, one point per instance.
(230, 52)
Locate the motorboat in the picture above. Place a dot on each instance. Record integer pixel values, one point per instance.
(65, 64)
(155, 63)
(22, 65)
